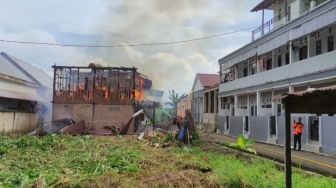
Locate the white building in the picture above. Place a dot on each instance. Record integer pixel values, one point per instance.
(25, 93)
(292, 52)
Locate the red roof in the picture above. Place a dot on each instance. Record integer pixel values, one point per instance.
(208, 79)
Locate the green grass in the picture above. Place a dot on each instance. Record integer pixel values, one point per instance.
(65, 161)
(258, 172)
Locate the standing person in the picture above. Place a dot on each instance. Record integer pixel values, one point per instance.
(188, 126)
(179, 121)
(298, 128)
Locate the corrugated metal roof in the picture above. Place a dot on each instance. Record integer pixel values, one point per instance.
(19, 95)
(265, 4)
(208, 79)
(308, 92)
(35, 72)
(9, 69)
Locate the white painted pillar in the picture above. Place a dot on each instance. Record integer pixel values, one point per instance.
(248, 105)
(236, 72)
(273, 104)
(235, 105)
(290, 47)
(258, 65)
(290, 89)
(273, 59)
(308, 45)
(258, 103)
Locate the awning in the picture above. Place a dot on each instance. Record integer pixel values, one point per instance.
(19, 95)
(263, 5)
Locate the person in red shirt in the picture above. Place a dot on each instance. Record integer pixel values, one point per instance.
(298, 128)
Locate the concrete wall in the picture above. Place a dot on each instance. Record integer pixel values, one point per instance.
(18, 122)
(281, 130)
(220, 123)
(280, 125)
(259, 131)
(259, 128)
(328, 133)
(95, 116)
(209, 118)
(209, 122)
(236, 125)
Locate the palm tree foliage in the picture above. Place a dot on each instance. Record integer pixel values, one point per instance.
(175, 98)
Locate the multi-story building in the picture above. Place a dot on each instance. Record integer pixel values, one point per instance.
(294, 51)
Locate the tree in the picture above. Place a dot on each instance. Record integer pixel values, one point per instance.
(175, 99)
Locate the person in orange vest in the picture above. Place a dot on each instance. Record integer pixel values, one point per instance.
(298, 128)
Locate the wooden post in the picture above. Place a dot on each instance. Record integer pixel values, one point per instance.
(288, 162)
(54, 84)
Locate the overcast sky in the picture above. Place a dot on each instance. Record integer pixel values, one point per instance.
(106, 22)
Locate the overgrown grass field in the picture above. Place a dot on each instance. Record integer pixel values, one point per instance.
(84, 161)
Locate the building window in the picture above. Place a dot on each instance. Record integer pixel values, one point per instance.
(222, 103)
(254, 68)
(253, 110)
(314, 128)
(269, 64)
(303, 53)
(279, 109)
(272, 125)
(279, 61)
(318, 47)
(330, 43)
(227, 126)
(246, 124)
(245, 72)
(266, 106)
(287, 58)
(288, 13)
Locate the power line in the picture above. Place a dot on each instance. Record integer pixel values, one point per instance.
(123, 45)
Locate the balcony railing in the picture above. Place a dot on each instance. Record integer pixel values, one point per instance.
(308, 66)
(285, 17)
(268, 26)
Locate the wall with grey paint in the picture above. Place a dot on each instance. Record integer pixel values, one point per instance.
(281, 129)
(259, 128)
(236, 125)
(328, 133)
(220, 123)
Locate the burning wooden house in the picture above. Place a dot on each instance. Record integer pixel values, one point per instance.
(101, 96)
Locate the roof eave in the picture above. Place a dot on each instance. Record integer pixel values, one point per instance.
(265, 4)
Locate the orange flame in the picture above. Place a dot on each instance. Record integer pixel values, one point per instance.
(138, 94)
